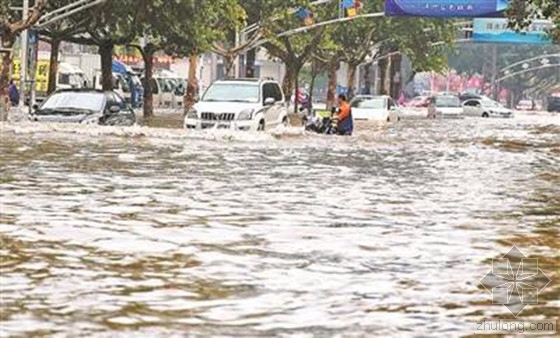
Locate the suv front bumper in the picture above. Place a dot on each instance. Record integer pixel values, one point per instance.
(196, 124)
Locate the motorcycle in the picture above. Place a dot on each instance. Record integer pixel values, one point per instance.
(321, 125)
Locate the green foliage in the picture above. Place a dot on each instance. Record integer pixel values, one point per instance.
(476, 59)
(523, 12)
(293, 49)
(191, 27)
(425, 41)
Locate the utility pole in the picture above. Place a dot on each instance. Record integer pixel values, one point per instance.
(494, 71)
(23, 59)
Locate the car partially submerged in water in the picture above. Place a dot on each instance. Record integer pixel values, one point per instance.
(380, 108)
(84, 106)
(445, 106)
(239, 104)
(486, 108)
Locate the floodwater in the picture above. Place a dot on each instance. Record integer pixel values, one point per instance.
(153, 232)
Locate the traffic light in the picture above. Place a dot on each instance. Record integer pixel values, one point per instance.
(306, 16)
(350, 8)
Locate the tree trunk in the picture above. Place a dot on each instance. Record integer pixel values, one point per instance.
(5, 104)
(316, 69)
(296, 86)
(192, 86)
(148, 56)
(383, 65)
(367, 78)
(106, 53)
(351, 81)
(333, 81)
(250, 68)
(229, 69)
(288, 81)
(53, 66)
(395, 84)
(387, 83)
(312, 85)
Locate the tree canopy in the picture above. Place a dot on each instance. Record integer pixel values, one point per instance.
(523, 12)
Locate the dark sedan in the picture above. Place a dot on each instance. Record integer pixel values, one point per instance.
(84, 107)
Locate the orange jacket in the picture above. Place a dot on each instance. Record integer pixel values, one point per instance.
(343, 111)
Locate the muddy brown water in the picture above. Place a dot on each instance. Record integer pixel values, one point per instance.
(154, 232)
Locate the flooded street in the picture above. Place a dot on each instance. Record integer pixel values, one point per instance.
(157, 233)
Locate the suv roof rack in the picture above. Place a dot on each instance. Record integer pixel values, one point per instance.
(245, 79)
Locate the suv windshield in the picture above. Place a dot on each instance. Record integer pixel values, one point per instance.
(73, 101)
(374, 103)
(448, 101)
(232, 92)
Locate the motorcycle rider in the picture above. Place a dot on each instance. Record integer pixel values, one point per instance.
(345, 120)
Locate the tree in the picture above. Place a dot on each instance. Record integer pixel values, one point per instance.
(523, 12)
(359, 39)
(11, 25)
(473, 59)
(427, 48)
(181, 28)
(109, 24)
(198, 34)
(55, 33)
(293, 50)
(328, 57)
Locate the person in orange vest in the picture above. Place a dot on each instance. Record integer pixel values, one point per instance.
(345, 120)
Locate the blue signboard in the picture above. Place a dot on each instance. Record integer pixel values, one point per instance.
(446, 8)
(496, 31)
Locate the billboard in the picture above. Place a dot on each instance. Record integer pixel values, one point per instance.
(497, 31)
(41, 73)
(446, 8)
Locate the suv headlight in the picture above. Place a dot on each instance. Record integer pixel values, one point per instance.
(192, 114)
(246, 114)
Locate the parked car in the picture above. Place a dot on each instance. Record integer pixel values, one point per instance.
(240, 104)
(470, 96)
(525, 105)
(445, 106)
(486, 108)
(84, 106)
(554, 102)
(375, 108)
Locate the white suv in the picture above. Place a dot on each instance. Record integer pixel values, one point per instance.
(239, 104)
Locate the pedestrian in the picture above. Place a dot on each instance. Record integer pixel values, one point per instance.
(13, 92)
(402, 99)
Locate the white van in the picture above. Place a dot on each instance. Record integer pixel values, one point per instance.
(168, 89)
(120, 85)
(68, 77)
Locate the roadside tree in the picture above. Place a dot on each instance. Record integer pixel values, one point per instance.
(11, 25)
